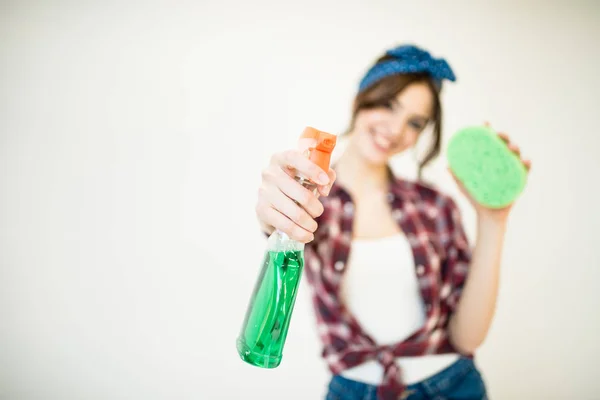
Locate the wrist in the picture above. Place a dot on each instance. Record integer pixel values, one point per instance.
(490, 223)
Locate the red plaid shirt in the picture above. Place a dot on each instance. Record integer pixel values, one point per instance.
(432, 224)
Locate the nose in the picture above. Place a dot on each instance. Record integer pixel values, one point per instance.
(398, 126)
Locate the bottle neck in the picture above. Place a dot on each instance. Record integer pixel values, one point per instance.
(280, 242)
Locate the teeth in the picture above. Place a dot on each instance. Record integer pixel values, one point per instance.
(381, 141)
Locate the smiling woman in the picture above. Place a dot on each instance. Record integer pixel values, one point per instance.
(411, 99)
(401, 301)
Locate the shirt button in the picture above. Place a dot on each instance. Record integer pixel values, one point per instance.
(348, 208)
(432, 212)
(397, 215)
(334, 229)
(339, 265)
(412, 239)
(420, 270)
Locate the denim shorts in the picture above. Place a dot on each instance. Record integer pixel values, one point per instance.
(459, 381)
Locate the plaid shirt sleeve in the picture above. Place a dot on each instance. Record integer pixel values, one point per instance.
(458, 257)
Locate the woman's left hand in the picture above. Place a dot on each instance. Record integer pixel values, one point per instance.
(495, 214)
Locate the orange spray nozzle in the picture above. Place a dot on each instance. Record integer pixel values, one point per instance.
(325, 143)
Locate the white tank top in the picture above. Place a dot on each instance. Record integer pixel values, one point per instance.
(381, 290)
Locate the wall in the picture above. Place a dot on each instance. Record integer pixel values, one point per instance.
(132, 139)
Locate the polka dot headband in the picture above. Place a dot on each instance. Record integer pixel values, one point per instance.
(408, 59)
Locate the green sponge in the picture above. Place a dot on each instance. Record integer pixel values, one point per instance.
(492, 174)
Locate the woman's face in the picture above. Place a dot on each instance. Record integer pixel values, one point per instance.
(383, 132)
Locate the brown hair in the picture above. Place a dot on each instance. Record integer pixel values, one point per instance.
(385, 90)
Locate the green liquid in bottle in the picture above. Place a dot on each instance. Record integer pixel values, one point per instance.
(268, 317)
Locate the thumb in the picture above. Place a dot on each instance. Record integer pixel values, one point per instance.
(324, 190)
(458, 181)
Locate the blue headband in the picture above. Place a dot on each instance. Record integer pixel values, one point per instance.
(408, 59)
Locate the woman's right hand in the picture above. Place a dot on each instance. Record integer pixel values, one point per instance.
(275, 207)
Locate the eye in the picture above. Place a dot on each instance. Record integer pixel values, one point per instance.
(388, 105)
(418, 125)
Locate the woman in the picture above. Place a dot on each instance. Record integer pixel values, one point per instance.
(401, 314)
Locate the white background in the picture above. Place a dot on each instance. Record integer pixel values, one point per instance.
(132, 139)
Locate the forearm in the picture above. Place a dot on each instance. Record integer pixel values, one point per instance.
(472, 318)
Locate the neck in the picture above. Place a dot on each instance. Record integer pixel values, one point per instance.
(358, 175)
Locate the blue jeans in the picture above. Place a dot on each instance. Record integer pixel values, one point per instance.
(460, 381)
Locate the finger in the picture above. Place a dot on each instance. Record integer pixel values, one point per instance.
(514, 148)
(458, 181)
(277, 179)
(460, 185)
(452, 174)
(324, 190)
(293, 211)
(504, 137)
(332, 175)
(486, 123)
(297, 161)
(298, 193)
(277, 220)
(527, 164)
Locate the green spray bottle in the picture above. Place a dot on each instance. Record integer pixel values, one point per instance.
(269, 311)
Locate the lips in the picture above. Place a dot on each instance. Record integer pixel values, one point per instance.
(381, 142)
